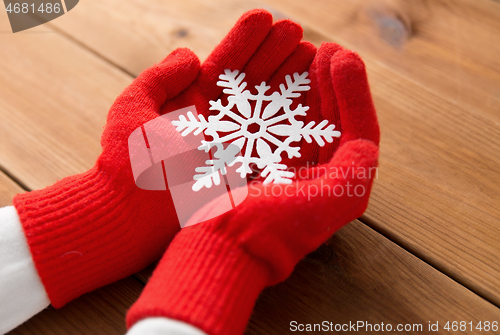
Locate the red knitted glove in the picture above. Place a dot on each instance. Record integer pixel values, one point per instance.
(213, 272)
(91, 229)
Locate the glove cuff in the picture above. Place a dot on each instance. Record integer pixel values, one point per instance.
(205, 280)
(80, 235)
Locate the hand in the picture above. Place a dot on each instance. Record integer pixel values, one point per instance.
(213, 272)
(92, 229)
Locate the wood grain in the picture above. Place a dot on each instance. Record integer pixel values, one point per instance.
(449, 47)
(136, 34)
(8, 189)
(54, 100)
(99, 312)
(435, 77)
(361, 276)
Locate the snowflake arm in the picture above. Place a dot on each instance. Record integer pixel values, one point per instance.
(319, 132)
(289, 114)
(285, 145)
(300, 83)
(210, 175)
(284, 100)
(235, 88)
(207, 177)
(187, 126)
(277, 174)
(273, 171)
(245, 169)
(225, 110)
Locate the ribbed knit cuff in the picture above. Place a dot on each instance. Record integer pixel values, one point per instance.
(205, 280)
(81, 235)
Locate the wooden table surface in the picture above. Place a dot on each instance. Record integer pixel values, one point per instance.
(428, 247)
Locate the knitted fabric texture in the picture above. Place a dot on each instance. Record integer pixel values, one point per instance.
(92, 229)
(213, 272)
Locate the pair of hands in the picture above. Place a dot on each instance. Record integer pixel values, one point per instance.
(268, 52)
(92, 229)
(213, 272)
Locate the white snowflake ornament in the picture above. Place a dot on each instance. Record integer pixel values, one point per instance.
(258, 129)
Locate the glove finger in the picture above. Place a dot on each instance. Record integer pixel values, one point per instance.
(298, 62)
(143, 99)
(320, 99)
(235, 50)
(281, 41)
(327, 203)
(319, 207)
(313, 101)
(329, 107)
(342, 183)
(357, 112)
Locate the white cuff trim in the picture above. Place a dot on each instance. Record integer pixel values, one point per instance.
(22, 294)
(163, 326)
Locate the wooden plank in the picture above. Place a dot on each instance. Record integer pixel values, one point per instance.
(361, 276)
(136, 34)
(439, 183)
(54, 99)
(450, 47)
(99, 312)
(8, 189)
